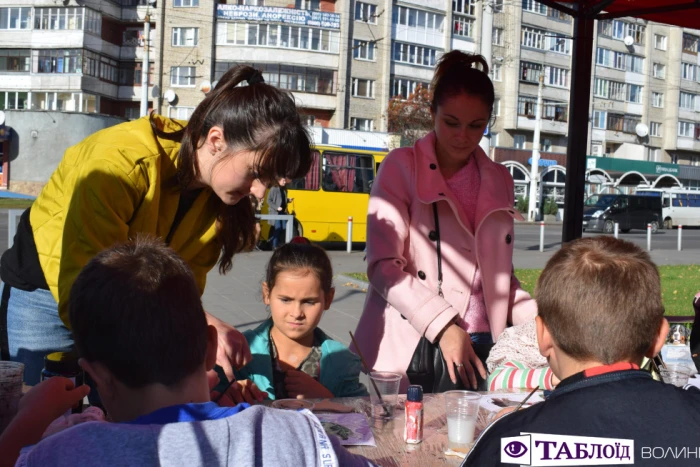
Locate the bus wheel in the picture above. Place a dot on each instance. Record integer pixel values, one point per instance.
(654, 226)
(668, 223)
(609, 227)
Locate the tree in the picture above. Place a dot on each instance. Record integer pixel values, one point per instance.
(410, 117)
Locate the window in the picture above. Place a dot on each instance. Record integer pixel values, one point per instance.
(463, 26)
(414, 54)
(655, 154)
(274, 35)
(418, 18)
(634, 93)
(622, 29)
(659, 70)
(623, 123)
(555, 111)
(547, 145)
(349, 173)
(361, 124)
(614, 90)
(527, 106)
(557, 76)
(362, 87)
(497, 71)
(13, 100)
(687, 101)
(58, 60)
(364, 50)
(599, 119)
(132, 113)
(634, 64)
(695, 161)
(686, 129)
(185, 37)
(365, 12)
(689, 71)
(15, 18)
(519, 141)
(605, 28)
(497, 106)
(690, 43)
(293, 78)
(657, 99)
(530, 72)
(305, 4)
(659, 42)
(182, 75)
(497, 36)
(558, 15)
(58, 18)
(655, 128)
(185, 3)
(130, 73)
(532, 37)
(404, 87)
(497, 6)
(601, 88)
(465, 7)
(494, 139)
(181, 113)
(559, 44)
(534, 7)
(618, 91)
(307, 120)
(15, 60)
(619, 60)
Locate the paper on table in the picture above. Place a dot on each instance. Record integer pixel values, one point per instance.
(352, 429)
(496, 402)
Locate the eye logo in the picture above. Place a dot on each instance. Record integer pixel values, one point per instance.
(515, 449)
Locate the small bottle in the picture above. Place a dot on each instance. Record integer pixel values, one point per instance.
(64, 364)
(413, 430)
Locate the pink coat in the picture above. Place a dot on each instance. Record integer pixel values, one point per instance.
(402, 259)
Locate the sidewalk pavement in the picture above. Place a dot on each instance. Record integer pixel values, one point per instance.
(236, 297)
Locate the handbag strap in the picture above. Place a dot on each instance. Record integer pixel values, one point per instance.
(439, 255)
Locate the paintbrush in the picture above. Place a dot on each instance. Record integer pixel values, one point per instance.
(228, 386)
(364, 365)
(520, 406)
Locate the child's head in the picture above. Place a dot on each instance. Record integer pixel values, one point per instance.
(298, 287)
(136, 311)
(599, 299)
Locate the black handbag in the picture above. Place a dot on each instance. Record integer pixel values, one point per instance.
(428, 367)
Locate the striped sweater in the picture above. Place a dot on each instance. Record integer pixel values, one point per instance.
(513, 374)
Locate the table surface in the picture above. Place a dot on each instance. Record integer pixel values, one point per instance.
(392, 451)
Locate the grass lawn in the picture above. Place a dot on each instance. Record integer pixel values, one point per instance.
(679, 285)
(15, 203)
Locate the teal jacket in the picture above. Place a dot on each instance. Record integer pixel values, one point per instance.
(340, 368)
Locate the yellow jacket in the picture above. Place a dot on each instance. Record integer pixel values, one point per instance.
(110, 187)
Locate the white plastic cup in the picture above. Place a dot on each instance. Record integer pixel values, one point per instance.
(388, 386)
(11, 377)
(461, 409)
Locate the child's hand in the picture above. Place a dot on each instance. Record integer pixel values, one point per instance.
(299, 383)
(241, 391)
(50, 399)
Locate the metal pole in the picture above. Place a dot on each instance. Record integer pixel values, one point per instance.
(534, 166)
(349, 246)
(541, 237)
(617, 229)
(486, 41)
(648, 237)
(680, 237)
(145, 67)
(289, 231)
(579, 105)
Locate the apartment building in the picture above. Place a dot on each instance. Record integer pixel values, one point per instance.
(74, 56)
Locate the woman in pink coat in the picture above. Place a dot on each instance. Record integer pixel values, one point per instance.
(479, 296)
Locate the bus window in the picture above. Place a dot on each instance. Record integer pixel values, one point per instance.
(311, 181)
(349, 173)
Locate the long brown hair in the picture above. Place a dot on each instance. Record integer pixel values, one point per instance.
(458, 72)
(258, 118)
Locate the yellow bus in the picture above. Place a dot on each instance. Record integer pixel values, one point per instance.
(337, 187)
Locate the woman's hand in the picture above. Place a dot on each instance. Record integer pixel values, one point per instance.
(52, 398)
(232, 351)
(299, 383)
(456, 346)
(240, 391)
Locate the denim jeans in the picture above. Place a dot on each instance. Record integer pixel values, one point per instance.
(34, 330)
(481, 337)
(279, 234)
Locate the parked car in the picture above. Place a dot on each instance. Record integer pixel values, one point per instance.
(601, 212)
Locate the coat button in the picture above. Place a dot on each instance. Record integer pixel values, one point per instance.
(508, 239)
(433, 166)
(421, 275)
(433, 235)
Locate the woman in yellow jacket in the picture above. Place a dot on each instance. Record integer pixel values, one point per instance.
(180, 181)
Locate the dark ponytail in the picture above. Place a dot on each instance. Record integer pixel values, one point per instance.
(457, 72)
(259, 118)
